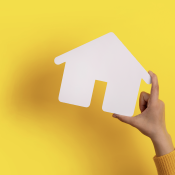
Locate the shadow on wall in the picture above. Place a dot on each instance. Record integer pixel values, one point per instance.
(36, 85)
(35, 95)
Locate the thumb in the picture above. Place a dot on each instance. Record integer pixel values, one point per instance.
(125, 119)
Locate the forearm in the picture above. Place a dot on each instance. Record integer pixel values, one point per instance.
(162, 144)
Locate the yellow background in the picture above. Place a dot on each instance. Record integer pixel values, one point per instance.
(41, 136)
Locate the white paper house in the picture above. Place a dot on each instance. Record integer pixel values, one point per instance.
(105, 59)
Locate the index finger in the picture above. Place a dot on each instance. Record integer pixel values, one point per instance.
(155, 87)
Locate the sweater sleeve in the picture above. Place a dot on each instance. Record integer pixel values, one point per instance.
(165, 164)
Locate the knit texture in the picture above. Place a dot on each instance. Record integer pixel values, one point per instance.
(165, 164)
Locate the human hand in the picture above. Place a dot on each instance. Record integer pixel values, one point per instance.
(151, 121)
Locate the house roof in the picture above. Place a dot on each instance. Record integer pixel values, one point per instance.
(108, 52)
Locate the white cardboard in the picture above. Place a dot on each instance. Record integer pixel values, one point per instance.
(105, 59)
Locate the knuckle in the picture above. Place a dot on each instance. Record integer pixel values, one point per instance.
(142, 93)
(156, 86)
(162, 103)
(133, 121)
(155, 104)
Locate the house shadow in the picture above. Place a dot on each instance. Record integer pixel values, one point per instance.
(35, 96)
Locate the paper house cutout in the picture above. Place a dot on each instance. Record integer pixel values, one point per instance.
(105, 59)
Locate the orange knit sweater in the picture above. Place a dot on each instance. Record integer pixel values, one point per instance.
(165, 164)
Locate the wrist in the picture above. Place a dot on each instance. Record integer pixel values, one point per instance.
(162, 143)
(160, 136)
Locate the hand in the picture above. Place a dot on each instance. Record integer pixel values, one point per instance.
(151, 121)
